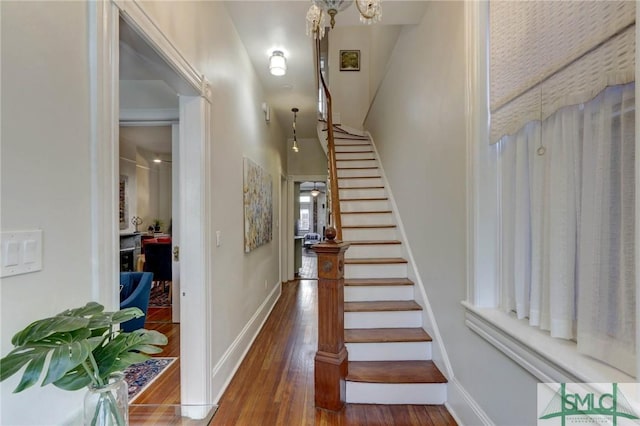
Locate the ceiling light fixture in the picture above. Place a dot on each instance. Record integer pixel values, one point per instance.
(314, 191)
(295, 141)
(370, 12)
(277, 63)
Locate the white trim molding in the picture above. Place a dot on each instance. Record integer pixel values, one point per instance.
(138, 18)
(103, 88)
(128, 115)
(463, 408)
(548, 359)
(230, 361)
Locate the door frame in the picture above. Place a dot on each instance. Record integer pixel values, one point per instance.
(195, 120)
(291, 179)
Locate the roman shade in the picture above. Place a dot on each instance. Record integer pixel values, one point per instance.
(546, 55)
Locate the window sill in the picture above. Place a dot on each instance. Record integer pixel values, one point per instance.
(548, 359)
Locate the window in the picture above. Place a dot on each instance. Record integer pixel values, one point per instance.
(304, 219)
(567, 208)
(515, 254)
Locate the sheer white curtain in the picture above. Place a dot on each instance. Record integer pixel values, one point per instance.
(568, 225)
(606, 303)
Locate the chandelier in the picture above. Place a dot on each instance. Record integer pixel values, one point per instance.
(370, 12)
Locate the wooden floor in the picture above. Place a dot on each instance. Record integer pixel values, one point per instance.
(154, 406)
(274, 384)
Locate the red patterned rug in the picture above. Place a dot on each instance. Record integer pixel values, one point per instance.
(140, 376)
(158, 296)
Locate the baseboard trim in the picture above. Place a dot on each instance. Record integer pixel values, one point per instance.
(463, 408)
(226, 368)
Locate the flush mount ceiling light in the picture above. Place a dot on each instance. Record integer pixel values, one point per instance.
(277, 63)
(370, 12)
(295, 141)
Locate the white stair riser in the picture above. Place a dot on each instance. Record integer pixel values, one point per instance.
(359, 183)
(388, 270)
(360, 206)
(362, 193)
(396, 393)
(357, 172)
(361, 147)
(344, 143)
(361, 163)
(368, 219)
(389, 351)
(377, 293)
(360, 234)
(354, 155)
(385, 319)
(377, 250)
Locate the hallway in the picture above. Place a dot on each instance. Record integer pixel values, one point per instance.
(274, 384)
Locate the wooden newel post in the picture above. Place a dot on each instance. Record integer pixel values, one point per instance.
(331, 359)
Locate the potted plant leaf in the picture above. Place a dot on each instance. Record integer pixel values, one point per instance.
(157, 225)
(80, 348)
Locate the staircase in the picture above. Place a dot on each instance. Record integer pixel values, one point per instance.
(389, 351)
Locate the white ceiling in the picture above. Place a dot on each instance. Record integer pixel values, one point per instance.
(263, 26)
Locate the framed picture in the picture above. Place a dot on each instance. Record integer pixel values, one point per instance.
(258, 206)
(123, 201)
(349, 60)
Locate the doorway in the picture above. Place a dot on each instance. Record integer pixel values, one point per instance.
(311, 224)
(307, 207)
(113, 22)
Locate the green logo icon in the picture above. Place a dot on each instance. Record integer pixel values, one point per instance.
(591, 407)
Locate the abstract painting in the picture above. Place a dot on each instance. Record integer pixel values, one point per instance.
(123, 200)
(258, 217)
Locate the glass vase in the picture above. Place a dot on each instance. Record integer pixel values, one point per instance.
(107, 405)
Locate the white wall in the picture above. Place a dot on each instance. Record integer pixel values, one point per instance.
(352, 91)
(46, 177)
(349, 89)
(45, 180)
(418, 123)
(210, 42)
(309, 160)
(149, 183)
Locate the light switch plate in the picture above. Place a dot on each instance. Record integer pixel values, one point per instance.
(20, 252)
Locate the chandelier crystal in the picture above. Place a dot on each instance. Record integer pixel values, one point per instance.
(315, 22)
(370, 12)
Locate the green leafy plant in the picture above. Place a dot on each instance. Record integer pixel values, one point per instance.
(82, 346)
(157, 223)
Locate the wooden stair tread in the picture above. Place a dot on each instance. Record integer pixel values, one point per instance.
(377, 281)
(356, 159)
(368, 226)
(374, 260)
(353, 144)
(360, 187)
(368, 212)
(395, 372)
(385, 335)
(365, 199)
(373, 242)
(382, 306)
(359, 177)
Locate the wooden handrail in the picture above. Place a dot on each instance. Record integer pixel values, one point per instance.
(336, 219)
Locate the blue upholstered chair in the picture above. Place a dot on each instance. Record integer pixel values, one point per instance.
(135, 288)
